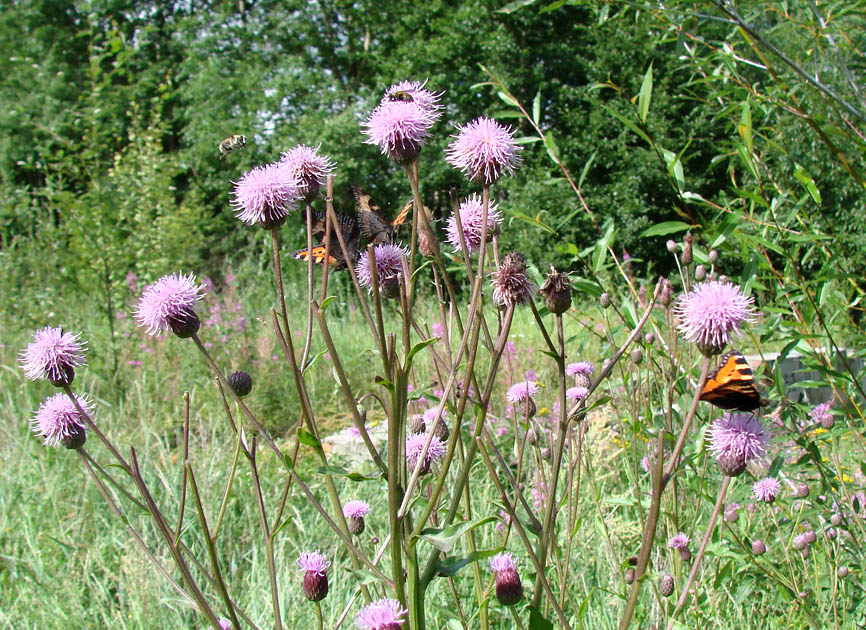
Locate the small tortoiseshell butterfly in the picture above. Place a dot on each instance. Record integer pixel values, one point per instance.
(732, 385)
(374, 224)
(348, 228)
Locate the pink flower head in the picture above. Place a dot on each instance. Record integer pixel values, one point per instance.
(399, 129)
(225, 624)
(680, 541)
(169, 303)
(356, 509)
(384, 614)
(576, 393)
(483, 150)
(415, 92)
(58, 420)
(389, 263)
(766, 489)
(414, 446)
(313, 562)
(471, 216)
(821, 413)
(53, 354)
(711, 315)
(522, 391)
(429, 415)
(308, 168)
(738, 435)
(581, 367)
(266, 194)
(502, 562)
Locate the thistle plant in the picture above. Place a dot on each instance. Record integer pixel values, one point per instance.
(470, 442)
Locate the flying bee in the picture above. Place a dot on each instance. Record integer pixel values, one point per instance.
(400, 95)
(232, 143)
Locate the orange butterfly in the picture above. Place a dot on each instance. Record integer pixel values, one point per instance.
(732, 385)
(348, 228)
(374, 224)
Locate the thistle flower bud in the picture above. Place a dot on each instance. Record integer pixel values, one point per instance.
(685, 555)
(649, 338)
(686, 256)
(758, 547)
(636, 356)
(440, 430)
(557, 292)
(671, 245)
(314, 565)
(667, 294)
(629, 576)
(666, 585)
(842, 572)
(801, 491)
(810, 537)
(688, 238)
(531, 435)
(355, 511)
(731, 464)
(731, 516)
(509, 591)
(185, 325)
(390, 287)
(604, 300)
(241, 383)
(713, 257)
(700, 273)
(831, 534)
(806, 552)
(836, 519)
(76, 437)
(724, 279)
(799, 542)
(427, 243)
(417, 424)
(633, 561)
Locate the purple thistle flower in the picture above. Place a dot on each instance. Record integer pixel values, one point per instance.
(225, 624)
(766, 489)
(511, 285)
(736, 439)
(414, 446)
(58, 420)
(576, 393)
(389, 263)
(471, 215)
(54, 355)
(356, 509)
(266, 194)
(168, 304)
(483, 150)
(308, 168)
(381, 615)
(822, 415)
(522, 391)
(581, 367)
(678, 542)
(399, 129)
(711, 315)
(509, 590)
(314, 565)
(415, 92)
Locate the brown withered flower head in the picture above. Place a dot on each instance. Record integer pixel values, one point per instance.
(511, 285)
(556, 291)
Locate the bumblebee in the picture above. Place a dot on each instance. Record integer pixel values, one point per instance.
(400, 95)
(232, 143)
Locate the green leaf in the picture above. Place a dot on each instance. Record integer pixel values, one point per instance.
(536, 107)
(327, 301)
(511, 7)
(450, 566)
(508, 99)
(312, 360)
(418, 347)
(745, 127)
(305, 437)
(531, 220)
(600, 252)
(586, 167)
(537, 621)
(339, 471)
(444, 538)
(646, 90)
(665, 228)
(802, 176)
(628, 124)
(552, 149)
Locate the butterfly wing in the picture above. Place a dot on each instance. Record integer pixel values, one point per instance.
(732, 384)
(401, 216)
(317, 254)
(374, 226)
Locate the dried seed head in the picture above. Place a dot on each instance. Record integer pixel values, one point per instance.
(511, 285)
(556, 291)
